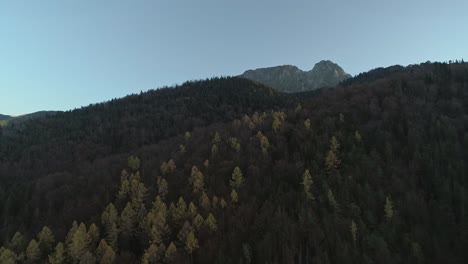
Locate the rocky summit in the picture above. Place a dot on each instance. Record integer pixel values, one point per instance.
(291, 79)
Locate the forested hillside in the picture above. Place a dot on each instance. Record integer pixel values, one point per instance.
(227, 171)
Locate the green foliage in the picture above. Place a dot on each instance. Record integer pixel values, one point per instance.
(211, 222)
(354, 230)
(58, 257)
(237, 179)
(46, 241)
(134, 163)
(170, 252)
(33, 253)
(80, 243)
(191, 243)
(234, 196)
(307, 182)
(388, 208)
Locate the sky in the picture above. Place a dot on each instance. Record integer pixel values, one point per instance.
(65, 54)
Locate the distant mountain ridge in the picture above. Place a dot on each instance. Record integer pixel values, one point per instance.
(16, 119)
(291, 79)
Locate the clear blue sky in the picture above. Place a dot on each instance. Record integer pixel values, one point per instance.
(64, 54)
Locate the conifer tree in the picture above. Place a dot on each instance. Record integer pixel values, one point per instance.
(8, 257)
(17, 243)
(134, 163)
(237, 180)
(162, 187)
(331, 199)
(33, 253)
(234, 196)
(58, 256)
(307, 124)
(192, 210)
(214, 201)
(197, 222)
(163, 168)
(191, 244)
(109, 220)
(211, 222)
(128, 219)
(151, 255)
(181, 210)
(184, 232)
(388, 208)
(46, 241)
(223, 203)
(307, 183)
(108, 257)
(170, 252)
(80, 243)
(71, 233)
(354, 230)
(93, 234)
(198, 182)
(357, 137)
(216, 138)
(171, 167)
(205, 202)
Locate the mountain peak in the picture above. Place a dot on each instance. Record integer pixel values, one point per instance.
(290, 79)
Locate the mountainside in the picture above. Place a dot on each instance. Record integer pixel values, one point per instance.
(290, 79)
(230, 171)
(18, 119)
(4, 117)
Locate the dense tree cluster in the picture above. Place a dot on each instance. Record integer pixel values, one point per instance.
(372, 171)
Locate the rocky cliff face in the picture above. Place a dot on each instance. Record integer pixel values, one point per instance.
(290, 79)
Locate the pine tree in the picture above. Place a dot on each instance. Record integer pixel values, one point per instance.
(192, 210)
(307, 182)
(151, 255)
(216, 138)
(237, 180)
(198, 182)
(357, 137)
(354, 230)
(223, 203)
(170, 252)
(211, 222)
(17, 243)
(105, 253)
(93, 234)
(58, 257)
(109, 220)
(234, 196)
(187, 136)
(8, 257)
(171, 167)
(181, 210)
(134, 163)
(197, 222)
(71, 233)
(307, 124)
(46, 241)
(214, 202)
(388, 208)
(80, 243)
(205, 202)
(184, 232)
(331, 199)
(33, 253)
(162, 187)
(191, 244)
(128, 219)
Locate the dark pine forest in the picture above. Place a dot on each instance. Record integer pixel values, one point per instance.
(227, 170)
